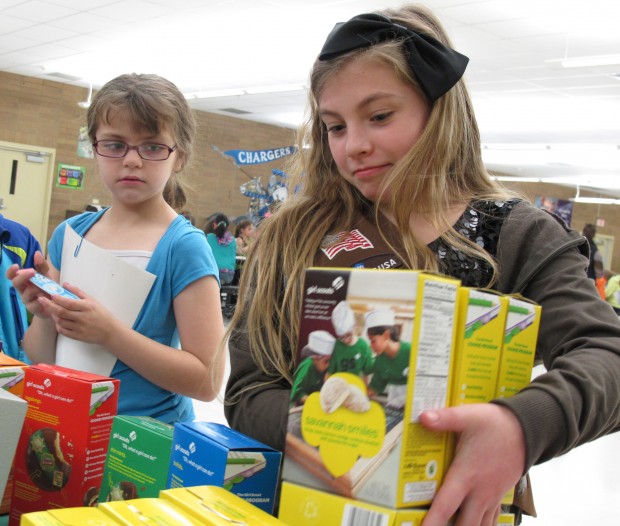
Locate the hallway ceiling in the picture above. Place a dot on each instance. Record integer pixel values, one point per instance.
(250, 59)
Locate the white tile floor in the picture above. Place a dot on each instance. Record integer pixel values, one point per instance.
(581, 488)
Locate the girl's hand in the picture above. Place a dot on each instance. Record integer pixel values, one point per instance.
(489, 460)
(83, 319)
(29, 293)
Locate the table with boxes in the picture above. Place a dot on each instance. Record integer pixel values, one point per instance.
(72, 459)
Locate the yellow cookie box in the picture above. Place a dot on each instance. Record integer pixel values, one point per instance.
(215, 506)
(68, 517)
(149, 510)
(519, 349)
(518, 352)
(480, 336)
(480, 331)
(495, 348)
(303, 506)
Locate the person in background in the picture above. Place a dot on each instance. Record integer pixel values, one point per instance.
(17, 247)
(595, 266)
(612, 290)
(224, 248)
(142, 129)
(393, 178)
(244, 231)
(208, 224)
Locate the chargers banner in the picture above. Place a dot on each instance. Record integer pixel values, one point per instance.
(260, 156)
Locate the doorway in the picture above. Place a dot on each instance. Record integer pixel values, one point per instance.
(26, 176)
(605, 245)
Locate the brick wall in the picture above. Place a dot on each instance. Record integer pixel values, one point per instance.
(44, 113)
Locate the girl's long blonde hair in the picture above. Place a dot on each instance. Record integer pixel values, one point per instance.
(444, 167)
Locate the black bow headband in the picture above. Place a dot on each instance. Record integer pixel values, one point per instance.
(436, 67)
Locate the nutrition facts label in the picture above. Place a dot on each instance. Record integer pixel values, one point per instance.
(432, 368)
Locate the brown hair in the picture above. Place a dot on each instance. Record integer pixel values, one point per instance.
(244, 223)
(153, 103)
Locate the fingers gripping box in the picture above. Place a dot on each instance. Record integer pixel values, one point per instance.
(138, 459)
(353, 425)
(62, 448)
(480, 336)
(211, 454)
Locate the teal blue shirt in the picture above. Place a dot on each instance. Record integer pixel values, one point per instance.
(225, 256)
(181, 257)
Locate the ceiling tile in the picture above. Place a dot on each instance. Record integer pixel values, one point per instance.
(517, 95)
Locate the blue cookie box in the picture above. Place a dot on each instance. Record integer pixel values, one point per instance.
(200, 452)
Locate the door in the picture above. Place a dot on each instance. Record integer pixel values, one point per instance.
(605, 245)
(26, 185)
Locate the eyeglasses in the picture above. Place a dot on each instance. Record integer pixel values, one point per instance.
(147, 151)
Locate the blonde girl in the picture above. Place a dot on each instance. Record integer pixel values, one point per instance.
(392, 177)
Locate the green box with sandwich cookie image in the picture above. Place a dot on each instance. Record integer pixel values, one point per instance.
(138, 459)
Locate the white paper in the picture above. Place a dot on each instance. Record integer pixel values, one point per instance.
(119, 286)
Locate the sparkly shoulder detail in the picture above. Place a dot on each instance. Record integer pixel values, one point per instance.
(481, 223)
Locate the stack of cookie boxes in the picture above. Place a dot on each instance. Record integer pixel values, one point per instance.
(357, 442)
(146, 456)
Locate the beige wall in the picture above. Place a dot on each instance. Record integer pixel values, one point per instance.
(43, 113)
(582, 213)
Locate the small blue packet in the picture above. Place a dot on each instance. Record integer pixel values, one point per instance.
(51, 287)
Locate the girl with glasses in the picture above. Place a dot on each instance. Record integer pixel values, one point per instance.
(142, 130)
(392, 177)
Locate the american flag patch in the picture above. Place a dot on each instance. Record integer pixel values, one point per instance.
(335, 243)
